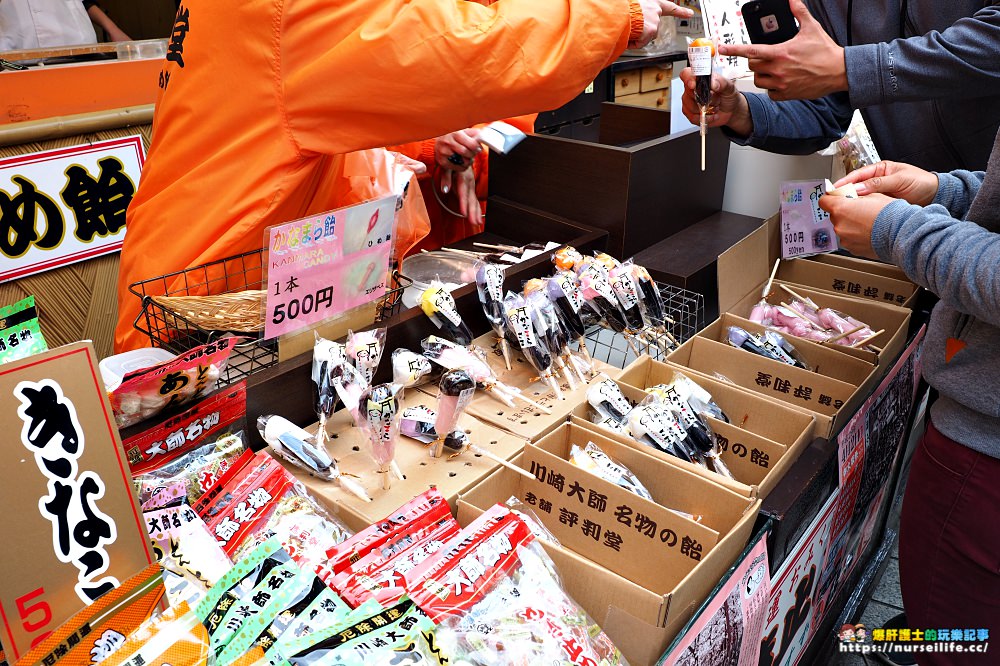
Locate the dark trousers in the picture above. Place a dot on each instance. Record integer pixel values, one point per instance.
(949, 545)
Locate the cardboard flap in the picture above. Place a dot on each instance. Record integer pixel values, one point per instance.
(846, 281)
(746, 266)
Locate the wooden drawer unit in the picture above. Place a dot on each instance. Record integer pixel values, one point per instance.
(656, 77)
(627, 83)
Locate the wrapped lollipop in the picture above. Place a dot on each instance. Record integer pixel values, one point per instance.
(451, 356)
(379, 412)
(595, 287)
(350, 386)
(297, 446)
(565, 295)
(628, 296)
(593, 459)
(655, 426)
(518, 316)
(608, 401)
(364, 349)
(409, 369)
(327, 355)
(549, 330)
(566, 258)
(438, 304)
(652, 301)
(701, 53)
(489, 281)
(456, 391)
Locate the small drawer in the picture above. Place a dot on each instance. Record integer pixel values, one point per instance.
(656, 99)
(655, 78)
(627, 83)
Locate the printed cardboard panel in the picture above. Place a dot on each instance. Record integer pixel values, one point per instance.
(847, 281)
(864, 265)
(618, 529)
(671, 487)
(748, 411)
(821, 358)
(351, 448)
(71, 519)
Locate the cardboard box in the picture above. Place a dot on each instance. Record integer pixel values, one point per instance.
(524, 420)
(744, 270)
(863, 265)
(757, 463)
(831, 399)
(850, 278)
(350, 447)
(640, 620)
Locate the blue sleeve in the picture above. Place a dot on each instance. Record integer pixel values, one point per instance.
(957, 189)
(797, 127)
(960, 61)
(954, 259)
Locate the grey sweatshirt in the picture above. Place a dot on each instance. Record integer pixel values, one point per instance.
(952, 248)
(932, 100)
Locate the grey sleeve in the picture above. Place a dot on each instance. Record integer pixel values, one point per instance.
(960, 61)
(798, 127)
(954, 259)
(957, 189)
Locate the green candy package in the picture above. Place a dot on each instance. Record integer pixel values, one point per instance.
(20, 335)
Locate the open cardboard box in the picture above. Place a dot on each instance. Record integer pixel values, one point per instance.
(350, 447)
(524, 421)
(757, 463)
(832, 394)
(863, 265)
(640, 620)
(850, 279)
(745, 268)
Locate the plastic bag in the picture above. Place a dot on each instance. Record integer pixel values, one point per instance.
(593, 459)
(530, 518)
(439, 306)
(489, 283)
(364, 349)
(195, 472)
(327, 355)
(607, 399)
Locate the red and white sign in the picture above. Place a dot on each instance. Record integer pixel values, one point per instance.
(61, 206)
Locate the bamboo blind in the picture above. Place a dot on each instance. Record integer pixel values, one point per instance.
(79, 301)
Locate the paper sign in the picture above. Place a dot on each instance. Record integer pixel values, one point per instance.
(805, 227)
(728, 629)
(322, 266)
(61, 206)
(724, 24)
(71, 523)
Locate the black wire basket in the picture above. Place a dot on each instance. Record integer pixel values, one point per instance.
(174, 332)
(686, 316)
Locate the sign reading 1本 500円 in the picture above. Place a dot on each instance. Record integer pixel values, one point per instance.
(320, 267)
(61, 206)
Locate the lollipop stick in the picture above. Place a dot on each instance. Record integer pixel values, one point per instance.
(807, 301)
(505, 348)
(502, 248)
(842, 335)
(500, 461)
(770, 281)
(353, 487)
(554, 385)
(518, 395)
(704, 130)
(386, 477)
(801, 316)
(398, 473)
(499, 395)
(869, 338)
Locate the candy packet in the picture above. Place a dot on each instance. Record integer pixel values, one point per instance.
(191, 558)
(497, 599)
(530, 518)
(20, 335)
(185, 378)
(195, 472)
(593, 459)
(94, 633)
(607, 399)
(327, 355)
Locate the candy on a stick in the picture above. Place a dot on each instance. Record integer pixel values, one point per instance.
(409, 369)
(593, 459)
(519, 317)
(439, 305)
(549, 329)
(701, 53)
(418, 423)
(769, 345)
(364, 349)
(350, 386)
(327, 355)
(489, 281)
(456, 391)
(595, 287)
(654, 425)
(566, 258)
(570, 305)
(606, 398)
(380, 411)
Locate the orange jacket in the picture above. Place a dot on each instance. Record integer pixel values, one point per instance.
(261, 99)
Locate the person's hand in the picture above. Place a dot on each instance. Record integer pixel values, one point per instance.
(455, 151)
(808, 66)
(894, 179)
(728, 106)
(464, 183)
(652, 10)
(853, 219)
(116, 34)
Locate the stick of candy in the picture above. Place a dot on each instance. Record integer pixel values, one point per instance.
(456, 391)
(871, 337)
(489, 281)
(379, 412)
(364, 349)
(409, 369)
(439, 305)
(701, 52)
(327, 355)
(807, 301)
(518, 315)
(842, 335)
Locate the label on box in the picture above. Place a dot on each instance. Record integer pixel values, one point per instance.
(805, 227)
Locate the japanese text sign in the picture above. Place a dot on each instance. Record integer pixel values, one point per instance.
(724, 24)
(61, 206)
(320, 267)
(71, 523)
(805, 227)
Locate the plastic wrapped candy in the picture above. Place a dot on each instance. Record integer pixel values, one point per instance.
(418, 423)
(769, 345)
(364, 349)
(595, 287)
(597, 462)
(565, 295)
(298, 447)
(489, 281)
(566, 258)
(409, 369)
(438, 304)
(350, 386)
(519, 317)
(607, 399)
(327, 355)
(192, 474)
(654, 425)
(456, 391)
(550, 332)
(530, 518)
(510, 607)
(380, 412)
(627, 293)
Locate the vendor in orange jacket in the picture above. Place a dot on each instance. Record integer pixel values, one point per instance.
(261, 100)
